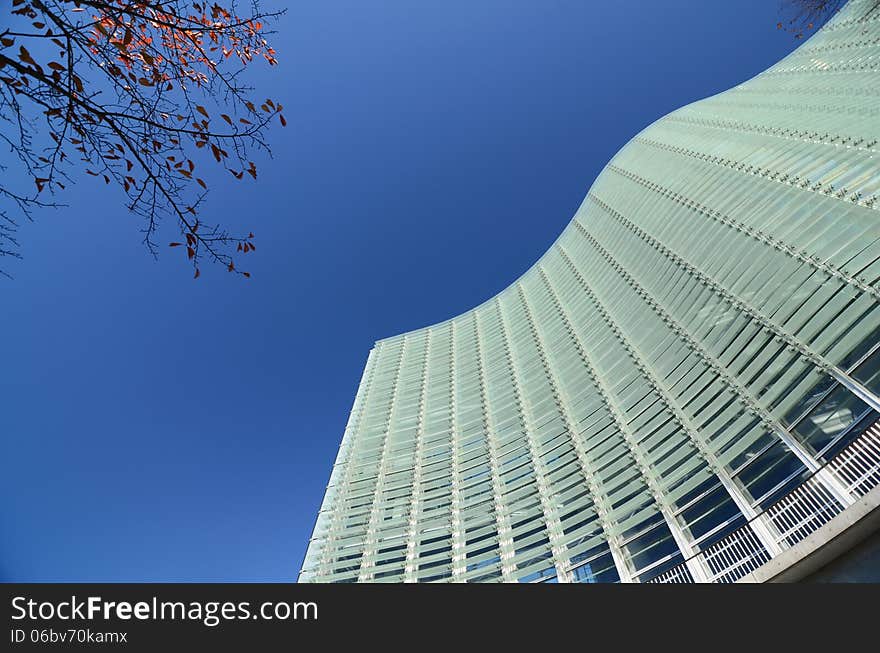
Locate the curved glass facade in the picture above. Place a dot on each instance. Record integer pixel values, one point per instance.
(699, 343)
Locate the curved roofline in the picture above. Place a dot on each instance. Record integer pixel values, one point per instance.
(568, 225)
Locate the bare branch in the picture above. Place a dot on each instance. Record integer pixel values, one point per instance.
(129, 91)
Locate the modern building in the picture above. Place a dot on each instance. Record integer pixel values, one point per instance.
(684, 388)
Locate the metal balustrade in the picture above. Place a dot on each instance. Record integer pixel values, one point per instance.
(736, 555)
(802, 511)
(678, 574)
(857, 465)
(798, 514)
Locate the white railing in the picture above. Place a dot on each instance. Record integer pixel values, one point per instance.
(678, 574)
(799, 513)
(857, 465)
(735, 555)
(802, 511)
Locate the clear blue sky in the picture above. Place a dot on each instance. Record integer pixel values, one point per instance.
(160, 429)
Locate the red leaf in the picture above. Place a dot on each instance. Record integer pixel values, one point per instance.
(174, 244)
(190, 252)
(25, 56)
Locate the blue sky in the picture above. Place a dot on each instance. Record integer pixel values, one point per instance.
(156, 428)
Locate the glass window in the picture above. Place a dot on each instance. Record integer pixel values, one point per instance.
(830, 419)
(868, 373)
(777, 468)
(597, 570)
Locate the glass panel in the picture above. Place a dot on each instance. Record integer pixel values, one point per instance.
(597, 570)
(768, 470)
(868, 373)
(707, 513)
(654, 545)
(830, 418)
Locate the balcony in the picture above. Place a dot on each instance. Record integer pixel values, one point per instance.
(741, 555)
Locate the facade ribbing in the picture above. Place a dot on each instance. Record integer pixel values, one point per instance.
(697, 347)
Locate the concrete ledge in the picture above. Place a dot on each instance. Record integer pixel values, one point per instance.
(835, 538)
